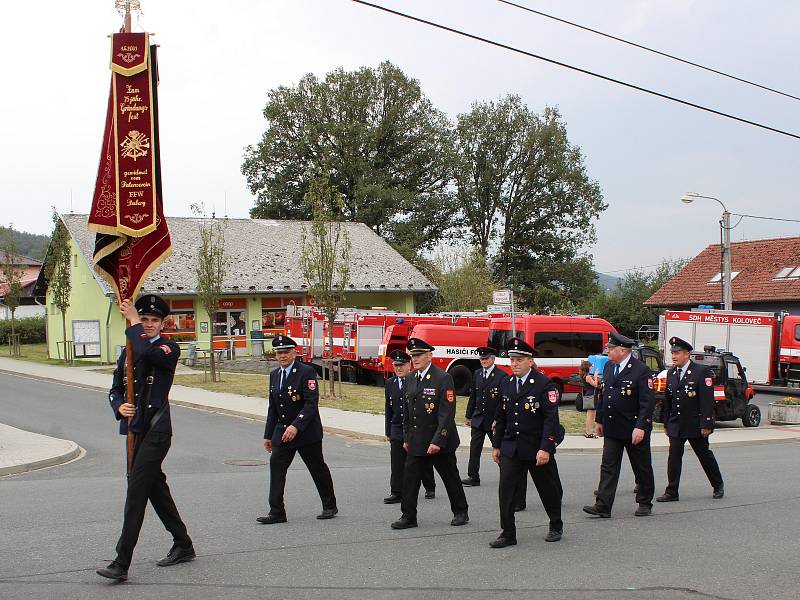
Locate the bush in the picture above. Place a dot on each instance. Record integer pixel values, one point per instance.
(31, 330)
(790, 400)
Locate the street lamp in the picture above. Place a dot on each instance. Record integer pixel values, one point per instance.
(725, 224)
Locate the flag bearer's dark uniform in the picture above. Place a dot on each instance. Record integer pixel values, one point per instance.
(154, 362)
(527, 422)
(394, 410)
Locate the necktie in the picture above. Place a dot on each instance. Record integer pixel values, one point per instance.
(485, 375)
(284, 376)
(519, 383)
(400, 384)
(681, 372)
(616, 370)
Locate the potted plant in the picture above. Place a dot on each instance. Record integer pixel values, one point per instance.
(785, 411)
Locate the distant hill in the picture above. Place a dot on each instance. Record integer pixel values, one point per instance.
(28, 244)
(608, 282)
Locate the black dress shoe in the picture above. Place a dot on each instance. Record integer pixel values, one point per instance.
(643, 511)
(328, 513)
(177, 555)
(719, 492)
(430, 494)
(392, 499)
(636, 489)
(519, 508)
(667, 498)
(503, 541)
(597, 511)
(553, 536)
(460, 519)
(271, 519)
(114, 571)
(471, 482)
(404, 522)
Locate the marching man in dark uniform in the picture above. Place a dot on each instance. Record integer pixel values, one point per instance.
(154, 362)
(429, 434)
(624, 421)
(294, 425)
(525, 441)
(689, 415)
(393, 412)
(481, 409)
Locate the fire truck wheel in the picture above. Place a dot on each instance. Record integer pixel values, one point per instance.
(462, 379)
(751, 416)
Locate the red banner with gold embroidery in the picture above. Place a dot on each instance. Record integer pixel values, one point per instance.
(127, 212)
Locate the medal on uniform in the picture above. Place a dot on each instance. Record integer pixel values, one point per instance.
(527, 406)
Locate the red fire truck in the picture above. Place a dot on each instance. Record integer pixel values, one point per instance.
(362, 339)
(768, 344)
(561, 342)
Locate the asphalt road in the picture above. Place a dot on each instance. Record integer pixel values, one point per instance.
(58, 525)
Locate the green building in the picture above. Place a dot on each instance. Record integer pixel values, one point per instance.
(263, 281)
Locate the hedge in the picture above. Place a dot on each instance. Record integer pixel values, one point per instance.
(31, 330)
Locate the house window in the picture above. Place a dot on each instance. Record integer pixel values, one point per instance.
(716, 278)
(788, 273)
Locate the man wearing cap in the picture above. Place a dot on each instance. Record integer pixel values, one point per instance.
(294, 426)
(689, 415)
(429, 434)
(154, 362)
(624, 420)
(481, 408)
(525, 441)
(394, 393)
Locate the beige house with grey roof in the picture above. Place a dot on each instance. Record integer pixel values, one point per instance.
(263, 280)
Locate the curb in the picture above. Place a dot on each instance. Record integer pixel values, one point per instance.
(74, 452)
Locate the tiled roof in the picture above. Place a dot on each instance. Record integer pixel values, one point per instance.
(22, 260)
(758, 263)
(264, 257)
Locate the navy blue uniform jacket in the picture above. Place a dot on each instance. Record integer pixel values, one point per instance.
(627, 402)
(157, 359)
(430, 410)
(393, 409)
(484, 398)
(296, 403)
(689, 403)
(527, 421)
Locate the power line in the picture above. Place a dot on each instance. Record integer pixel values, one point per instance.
(574, 68)
(648, 49)
(766, 218)
(639, 268)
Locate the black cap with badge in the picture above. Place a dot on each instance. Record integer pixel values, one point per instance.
(418, 346)
(399, 357)
(283, 342)
(617, 339)
(152, 305)
(518, 347)
(486, 351)
(679, 345)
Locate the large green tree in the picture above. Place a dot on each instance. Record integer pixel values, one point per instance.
(529, 205)
(57, 273)
(386, 150)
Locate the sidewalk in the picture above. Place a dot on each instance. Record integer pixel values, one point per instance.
(22, 451)
(362, 425)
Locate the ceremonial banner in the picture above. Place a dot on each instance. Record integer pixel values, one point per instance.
(127, 211)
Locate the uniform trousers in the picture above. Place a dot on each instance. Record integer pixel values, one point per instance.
(445, 464)
(700, 445)
(147, 481)
(611, 463)
(547, 482)
(473, 468)
(279, 462)
(398, 462)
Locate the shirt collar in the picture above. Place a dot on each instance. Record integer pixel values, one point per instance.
(288, 368)
(623, 364)
(422, 373)
(153, 340)
(489, 370)
(525, 377)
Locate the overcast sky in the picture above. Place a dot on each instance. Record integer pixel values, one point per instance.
(219, 59)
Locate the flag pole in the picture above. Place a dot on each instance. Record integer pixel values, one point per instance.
(130, 396)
